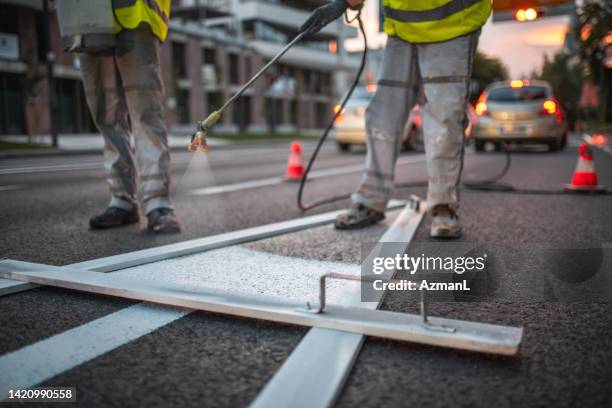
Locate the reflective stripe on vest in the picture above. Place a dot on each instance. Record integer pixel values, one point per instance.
(131, 13)
(434, 20)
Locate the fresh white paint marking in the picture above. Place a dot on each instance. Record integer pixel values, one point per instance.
(47, 358)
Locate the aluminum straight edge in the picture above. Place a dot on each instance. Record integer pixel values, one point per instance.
(135, 258)
(363, 321)
(315, 372)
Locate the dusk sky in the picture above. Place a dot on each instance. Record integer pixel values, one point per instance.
(520, 46)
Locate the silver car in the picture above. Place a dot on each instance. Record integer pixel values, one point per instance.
(519, 111)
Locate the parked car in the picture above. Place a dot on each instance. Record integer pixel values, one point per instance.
(520, 111)
(350, 125)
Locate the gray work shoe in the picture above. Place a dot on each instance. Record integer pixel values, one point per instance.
(113, 217)
(358, 216)
(163, 220)
(444, 222)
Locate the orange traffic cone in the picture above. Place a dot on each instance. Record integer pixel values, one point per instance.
(585, 178)
(295, 164)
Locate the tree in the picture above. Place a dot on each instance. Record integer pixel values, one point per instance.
(485, 70)
(564, 74)
(593, 28)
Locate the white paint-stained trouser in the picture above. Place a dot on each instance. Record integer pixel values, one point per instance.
(443, 69)
(124, 93)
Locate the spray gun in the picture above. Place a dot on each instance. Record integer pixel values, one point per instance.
(198, 139)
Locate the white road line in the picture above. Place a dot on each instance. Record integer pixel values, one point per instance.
(314, 373)
(11, 187)
(52, 168)
(336, 171)
(238, 269)
(40, 361)
(59, 167)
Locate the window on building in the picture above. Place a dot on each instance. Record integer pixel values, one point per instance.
(316, 82)
(322, 114)
(12, 101)
(214, 100)
(209, 56)
(274, 112)
(182, 105)
(325, 83)
(264, 31)
(294, 112)
(234, 74)
(8, 19)
(179, 69)
(241, 113)
(248, 66)
(66, 104)
(307, 81)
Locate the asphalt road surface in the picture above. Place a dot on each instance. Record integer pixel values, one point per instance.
(195, 359)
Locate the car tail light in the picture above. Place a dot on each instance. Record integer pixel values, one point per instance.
(481, 108)
(550, 107)
(339, 115)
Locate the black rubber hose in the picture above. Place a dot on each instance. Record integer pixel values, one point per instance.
(313, 157)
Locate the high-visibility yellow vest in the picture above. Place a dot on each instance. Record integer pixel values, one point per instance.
(421, 21)
(131, 13)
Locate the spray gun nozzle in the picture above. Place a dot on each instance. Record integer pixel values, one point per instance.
(198, 140)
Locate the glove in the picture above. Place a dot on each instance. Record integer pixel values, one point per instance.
(324, 15)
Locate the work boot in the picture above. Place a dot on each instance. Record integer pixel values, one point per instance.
(113, 217)
(444, 222)
(358, 216)
(163, 220)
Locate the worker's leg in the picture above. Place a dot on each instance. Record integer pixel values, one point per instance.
(386, 117)
(108, 108)
(138, 63)
(445, 70)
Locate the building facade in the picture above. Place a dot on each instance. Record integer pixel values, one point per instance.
(213, 47)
